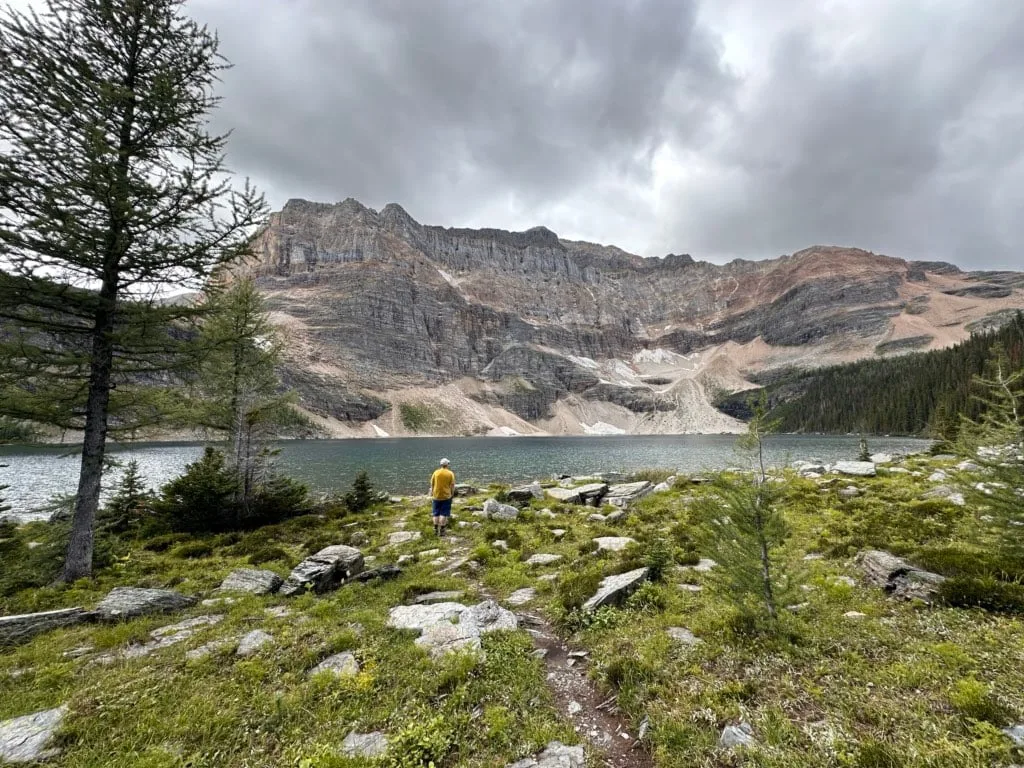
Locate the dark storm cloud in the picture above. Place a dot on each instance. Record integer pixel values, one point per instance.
(738, 128)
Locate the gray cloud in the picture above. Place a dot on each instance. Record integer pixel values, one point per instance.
(737, 128)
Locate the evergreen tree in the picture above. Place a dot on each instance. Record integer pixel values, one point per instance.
(111, 189)
(741, 526)
(129, 504)
(240, 393)
(996, 440)
(865, 453)
(361, 495)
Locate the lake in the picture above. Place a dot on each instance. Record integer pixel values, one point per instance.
(403, 465)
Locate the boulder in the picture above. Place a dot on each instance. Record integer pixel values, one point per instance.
(129, 602)
(542, 558)
(490, 617)
(521, 596)
(897, 577)
(372, 744)
(495, 510)
(592, 492)
(384, 573)
(254, 581)
(524, 494)
(465, 489)
(938, 476)
(555, 755)
(741, 735)
(661, 488)
(856, 468)
(326, 570)
(339, 665)
(251, 643)
(881, 458)
(968, 466)
(26, 739)
(23, 627)
(614, 543)
(624, 494)
(449, 627)
(948, 493)
(615, 589)
(565, 495)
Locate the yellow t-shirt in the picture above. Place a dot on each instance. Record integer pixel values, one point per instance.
(442, 484)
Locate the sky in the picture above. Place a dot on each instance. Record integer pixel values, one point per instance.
(719, 128)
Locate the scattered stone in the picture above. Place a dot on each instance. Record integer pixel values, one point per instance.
(614, 543)
(1016, 732)
(465, 489)
(279, 611)
(217, 602)
(881, 458)
(948, 493)
(447, 627)
(614, 589)
(372, 744)
(948, 456)
(339, 665)
(162, 637)
(495, 510)
(547, 513)
(129, 602)
(555, 755)
(661, 488)
(938, 476)
(849, 492)
(359, 539)
(854, 615)
(500, 544)
(564, 495)
(542, 558)
(384, 573)
(77, 653)
(856, 468)
(683, 636)
(809, 468)
(525, 493)
(813, 556)
(548, 577)
(691, 587)
(703, 565)
(256, 582)
(899, 471)
(208, 648)
(23, 627)
(616, 517)
(326, 570)
(897, 577)
(558, 533)
(403, 537)
(251, 643)
(26, 739)
(437, 597)
(741, 735)
(446, 637)
(574, 708)
(595, 517)
(421, 616)
(521, 596)
(847, 580)
(968, 466)
(624, 494)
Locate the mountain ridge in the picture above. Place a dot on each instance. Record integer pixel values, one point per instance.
(493, 331)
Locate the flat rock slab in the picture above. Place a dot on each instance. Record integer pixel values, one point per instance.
(542, 558)
(898, 577)
(23, 627)
(438, 597)
(448, 627)
(613, 543)
(625, 494)
(950, 494)
(495, 510)
(615, 589)
(339, 665)
(555, 755)
(26, 739)
(525, 493)
(521, 596)
(253, 581)
(855, 468)
(422, 616)
(326, 570)
(372, 744)
(1016, 733)
(564, 495)
(129, 602)
(444, 638)
(251, 643)
(162, 637)
(403, 537)
(384, 573)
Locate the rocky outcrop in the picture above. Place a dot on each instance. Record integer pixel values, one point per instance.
(27, 739)
(129, 602)
(614, 589)
(450, 627)
(326, 570)
(253, 581)
(23, 627)
(525, 322)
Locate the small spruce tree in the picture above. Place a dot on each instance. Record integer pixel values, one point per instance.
(361, 495)
(129, 504)
(865, 453)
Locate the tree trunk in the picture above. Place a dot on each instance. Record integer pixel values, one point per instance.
(78, 563)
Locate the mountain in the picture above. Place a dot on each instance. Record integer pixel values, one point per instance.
(400, 328)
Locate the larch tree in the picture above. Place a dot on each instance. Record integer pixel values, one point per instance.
(113, 191)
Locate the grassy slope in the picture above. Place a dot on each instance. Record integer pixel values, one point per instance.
(904, 686)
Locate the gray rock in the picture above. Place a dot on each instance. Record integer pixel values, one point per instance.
(437, 597)
(558, 533)
(339, 665)
(704, 565)
(624, 494)
(217, 602)
(661, 488)
(251, 643)
(326, 570)
(616, 517)
(881, 458)
(849, 492)
(542, 558)
(448, 637)
(856, 468)
(683, 636)
(448, 627)
(897, 577)
(372, 744)
(741, 735)
(489, 617)
(500, 544)
(420, 617)
(254, 581)
(968, 466)
(403, 537)
(613, 543)
(207, 649)
(555, 755)
(614, 589)
(495, 510)
(1016, 733)
(465, 489)
(279, 611)
(946, 492)
(23, 627)
(384, 573)
(521, 596)
(595, 517)
(26, 739)
(129, 602)
(526, 493)
(564, 495)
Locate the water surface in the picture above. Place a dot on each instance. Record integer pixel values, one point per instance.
(403, 465)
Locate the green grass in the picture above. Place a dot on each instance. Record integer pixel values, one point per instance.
(906, 685)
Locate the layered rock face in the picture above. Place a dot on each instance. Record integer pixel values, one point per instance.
(395, 327)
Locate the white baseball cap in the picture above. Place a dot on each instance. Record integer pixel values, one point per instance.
(445, 462)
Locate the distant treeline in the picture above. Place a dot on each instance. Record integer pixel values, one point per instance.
(921, 393)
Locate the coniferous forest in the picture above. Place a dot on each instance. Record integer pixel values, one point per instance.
(918, 393)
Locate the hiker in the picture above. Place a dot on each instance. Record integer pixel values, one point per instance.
(442, 489)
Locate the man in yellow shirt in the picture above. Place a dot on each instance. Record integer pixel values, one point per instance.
(442, 489)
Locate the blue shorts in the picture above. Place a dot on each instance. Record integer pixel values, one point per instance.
(442, 508)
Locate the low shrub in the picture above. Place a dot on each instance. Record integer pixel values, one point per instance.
(576, 585)
(962, 561)
(984, 592)
(423, 742)
(361, 495)
(650, 474)
(973, 698)
(192, 550)
(269, 554)
(164, 541)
